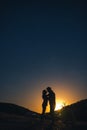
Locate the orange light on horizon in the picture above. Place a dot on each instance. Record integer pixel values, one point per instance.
(65, 94)
(59, 105)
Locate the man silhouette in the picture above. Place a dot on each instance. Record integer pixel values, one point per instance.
(51, 98)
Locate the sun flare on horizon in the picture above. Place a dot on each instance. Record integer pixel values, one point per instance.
(59, 105)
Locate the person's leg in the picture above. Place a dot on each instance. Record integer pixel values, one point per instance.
(51, 108)
(43, 110)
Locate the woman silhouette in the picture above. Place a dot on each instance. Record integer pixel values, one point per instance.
(45, 101)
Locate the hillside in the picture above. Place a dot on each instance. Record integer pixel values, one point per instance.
(77, 111)
(72, 117)
(10, 108)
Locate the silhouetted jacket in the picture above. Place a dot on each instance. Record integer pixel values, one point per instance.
(45, 100)
(51, 97)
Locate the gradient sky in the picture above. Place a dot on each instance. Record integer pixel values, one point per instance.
(42, 44)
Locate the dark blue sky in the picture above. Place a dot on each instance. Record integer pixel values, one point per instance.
(42, 42)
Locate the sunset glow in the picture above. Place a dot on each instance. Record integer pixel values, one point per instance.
(59, 105)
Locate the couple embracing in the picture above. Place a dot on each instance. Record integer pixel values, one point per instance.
(48, 96)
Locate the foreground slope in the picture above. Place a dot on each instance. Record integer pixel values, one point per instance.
(14, 117)
(77, 110)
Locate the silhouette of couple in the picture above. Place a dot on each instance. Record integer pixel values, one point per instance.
(48, 96)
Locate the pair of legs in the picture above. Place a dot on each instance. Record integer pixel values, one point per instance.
(52, 108)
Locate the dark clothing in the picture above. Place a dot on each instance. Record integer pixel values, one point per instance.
(44, 104)
(45, 100)
(52, 103)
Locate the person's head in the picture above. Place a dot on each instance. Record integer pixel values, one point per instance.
(44, 91)
(49, 89)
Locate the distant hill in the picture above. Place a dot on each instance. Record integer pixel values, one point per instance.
(77, 111)
(10, 108)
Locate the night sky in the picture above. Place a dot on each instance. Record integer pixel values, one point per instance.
(42, 44)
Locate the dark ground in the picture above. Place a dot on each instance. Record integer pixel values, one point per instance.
(14, 117)
(31, 123)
